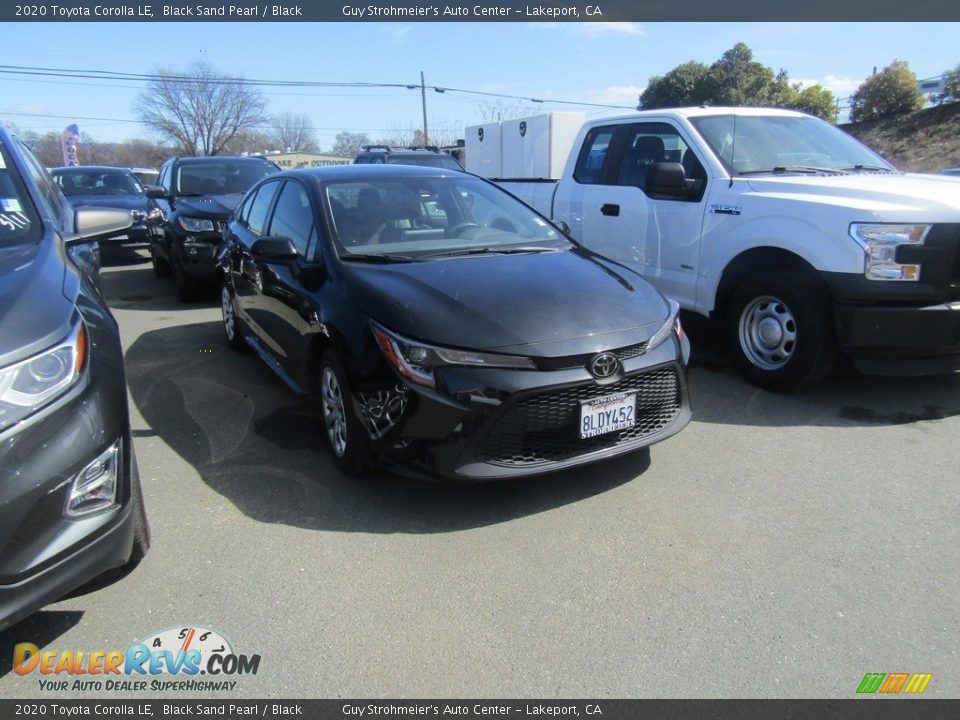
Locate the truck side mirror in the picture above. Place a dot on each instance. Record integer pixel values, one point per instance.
(666, 179)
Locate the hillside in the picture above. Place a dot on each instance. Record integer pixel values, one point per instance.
(924, 141)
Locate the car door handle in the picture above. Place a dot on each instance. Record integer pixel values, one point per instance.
(610, 209)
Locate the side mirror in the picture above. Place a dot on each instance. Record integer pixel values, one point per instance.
(155, 192)
(93, 223)
(275, 249)
(666, 178)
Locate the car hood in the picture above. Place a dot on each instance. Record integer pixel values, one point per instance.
(541, 304)
(885, 197)
(211, 207)
(123, 202)
(34, 312)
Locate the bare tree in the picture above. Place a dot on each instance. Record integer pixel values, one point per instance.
(347, 144)
(293, 133)
(201, 110)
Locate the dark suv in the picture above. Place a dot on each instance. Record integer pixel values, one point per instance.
(70, 503)
(421, 155)
(196, 196)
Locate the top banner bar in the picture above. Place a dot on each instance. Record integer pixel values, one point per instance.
(502, 11)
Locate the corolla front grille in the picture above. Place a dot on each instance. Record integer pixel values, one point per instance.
(576, 361)
(544, 428)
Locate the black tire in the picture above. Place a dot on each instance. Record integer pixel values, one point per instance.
(779, 328)
(348, 440)
(187, 288)
(233, 327)
(161, 268)
(141, 529)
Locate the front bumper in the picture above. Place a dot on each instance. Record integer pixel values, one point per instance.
(492, 424)
(43, 554)
(135, 237)
(900, 339)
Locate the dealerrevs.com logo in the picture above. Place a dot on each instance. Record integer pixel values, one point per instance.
(186, 659)
(894, 683)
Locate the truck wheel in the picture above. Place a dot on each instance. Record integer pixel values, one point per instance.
(345, 433)
(779, 328)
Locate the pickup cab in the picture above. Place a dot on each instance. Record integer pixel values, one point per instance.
(806, 244)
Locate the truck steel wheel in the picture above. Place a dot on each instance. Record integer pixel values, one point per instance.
(344, 431)
(779, 328)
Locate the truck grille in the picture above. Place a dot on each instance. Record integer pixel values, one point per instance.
(544, 428)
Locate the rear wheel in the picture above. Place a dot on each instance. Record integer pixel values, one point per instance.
(779, 328)
(345, 433)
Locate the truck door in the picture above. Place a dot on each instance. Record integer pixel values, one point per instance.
(610, 212)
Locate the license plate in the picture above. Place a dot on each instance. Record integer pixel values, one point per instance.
(607, 414)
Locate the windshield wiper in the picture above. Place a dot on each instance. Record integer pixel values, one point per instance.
(804, 169)
(868, 168)
(493, 250)
(376, 257)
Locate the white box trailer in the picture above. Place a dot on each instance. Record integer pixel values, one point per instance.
(482, 144)
(532, 148)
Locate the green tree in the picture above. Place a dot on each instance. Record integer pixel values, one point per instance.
(892, 91)
(735, 79)
(682, 86)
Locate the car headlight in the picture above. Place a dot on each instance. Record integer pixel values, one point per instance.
(880, 242)
(416, 361)
(671, 327)
(196, 225)
(34, 382)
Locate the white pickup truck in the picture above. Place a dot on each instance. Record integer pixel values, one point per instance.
(805, 243)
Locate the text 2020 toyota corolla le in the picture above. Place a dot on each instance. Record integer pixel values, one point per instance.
(445, 328)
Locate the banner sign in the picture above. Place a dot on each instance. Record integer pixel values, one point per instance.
(70, 141)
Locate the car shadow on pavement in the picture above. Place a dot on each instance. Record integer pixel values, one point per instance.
(846, 398)
(255, 443)
(136, 287)
(41, 629)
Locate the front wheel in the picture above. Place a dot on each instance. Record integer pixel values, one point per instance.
(345, 433)
(779, 328)
(232, 327)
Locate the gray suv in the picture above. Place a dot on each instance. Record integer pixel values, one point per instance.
(421, 155)
(70, 501)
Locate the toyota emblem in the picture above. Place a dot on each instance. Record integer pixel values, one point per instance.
(604, 365)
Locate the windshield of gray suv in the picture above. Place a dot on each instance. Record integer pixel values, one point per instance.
(18, 219)
(413, 218)
(220, 176)
(97, 182)
(758, 144)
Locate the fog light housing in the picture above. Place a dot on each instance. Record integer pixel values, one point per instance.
(94, 488)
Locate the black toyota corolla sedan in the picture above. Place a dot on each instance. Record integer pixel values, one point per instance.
(444, 328)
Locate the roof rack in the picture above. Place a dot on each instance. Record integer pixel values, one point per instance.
(388, 148)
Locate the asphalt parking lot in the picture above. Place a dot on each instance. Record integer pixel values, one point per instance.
(780, 546)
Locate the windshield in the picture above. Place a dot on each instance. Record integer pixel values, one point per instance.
(18, 220)
(415, 217)
(220, 176)
(97, 182)
(753, 144)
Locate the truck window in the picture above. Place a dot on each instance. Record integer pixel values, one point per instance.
(593, 155)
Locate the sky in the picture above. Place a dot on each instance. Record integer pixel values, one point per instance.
(603, 63)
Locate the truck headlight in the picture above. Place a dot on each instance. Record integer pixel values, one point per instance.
(416, 361)
(32, 383)
(196, 225)
(880, 242)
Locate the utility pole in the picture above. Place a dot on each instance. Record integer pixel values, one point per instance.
(423, 97)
